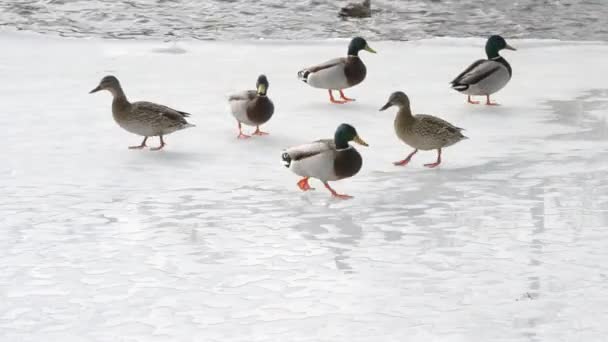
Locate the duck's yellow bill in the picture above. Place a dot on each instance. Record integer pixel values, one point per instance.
(262, 89)
(369, 49)
(360, 141)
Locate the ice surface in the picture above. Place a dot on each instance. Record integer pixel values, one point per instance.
(211, 240)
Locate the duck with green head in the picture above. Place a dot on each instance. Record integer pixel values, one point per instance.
(143, 118)
(421, 131)
(252, 107)
(339, 73)
(326, 159)
(486, 76)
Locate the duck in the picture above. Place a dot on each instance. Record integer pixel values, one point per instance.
(143, 118)
(339, 73)
(326, 159)
(486, 76)
(252, 107)
(421, 131)
(356, 10)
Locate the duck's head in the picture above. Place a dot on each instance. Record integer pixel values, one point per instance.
(495, 44)
(398, 99)
(109, 83)
(357, 44)
(262, 85)
(344, 134)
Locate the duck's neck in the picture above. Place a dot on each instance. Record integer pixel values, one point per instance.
(492, 52)
(494, 56)
(118, 94)
(120, 101)
(341, 143)
(404, 116)
(353, 52)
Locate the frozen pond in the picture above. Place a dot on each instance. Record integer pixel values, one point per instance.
(211, 240)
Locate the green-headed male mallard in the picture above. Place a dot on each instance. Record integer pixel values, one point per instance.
(339, 73)
(252, 107)
(486, 76)
(327, 159)
(142, 118)
(422, 132)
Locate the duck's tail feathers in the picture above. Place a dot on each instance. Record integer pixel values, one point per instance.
(303, 75)
(286, 159)
(460, 87)
(188, 125)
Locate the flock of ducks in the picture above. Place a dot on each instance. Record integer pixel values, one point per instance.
(327, 159)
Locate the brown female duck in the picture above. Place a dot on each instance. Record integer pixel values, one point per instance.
(421, 131)
(142, 118)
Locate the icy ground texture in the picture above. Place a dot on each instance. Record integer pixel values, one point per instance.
(211, 240)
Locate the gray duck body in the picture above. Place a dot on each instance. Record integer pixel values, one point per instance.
(251, 108)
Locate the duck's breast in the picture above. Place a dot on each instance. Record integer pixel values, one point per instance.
(347, 163)
(260, 110)
(355, 71)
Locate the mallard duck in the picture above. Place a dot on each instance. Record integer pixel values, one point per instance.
(339, 73)
(326, 159)
(356, 10)
(485, 76)
(252, 107)
(421, 131)
(142, 118)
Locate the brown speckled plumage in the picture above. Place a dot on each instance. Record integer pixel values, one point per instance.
(421, 131)
(142, 118)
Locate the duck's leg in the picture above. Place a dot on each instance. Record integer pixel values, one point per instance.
(437, 162)
(406, 160)
(331, 98)
(258, 132)
(490, 103)
(469, 100)
(162, 144)
(303, 184)
(344, 97)
(334, 193)
(241, 135)
(139, 147)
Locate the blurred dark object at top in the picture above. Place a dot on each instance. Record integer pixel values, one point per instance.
(361, 10)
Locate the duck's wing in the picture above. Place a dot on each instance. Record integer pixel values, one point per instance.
(476, 72)
(429, 124)
(312, 149)
(302, 152)
(154, 112)
(246, 95)
(303, 74)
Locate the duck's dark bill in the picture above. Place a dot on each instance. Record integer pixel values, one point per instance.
(95, 90)
(388, 104)
(359, 141)
(509, 47)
